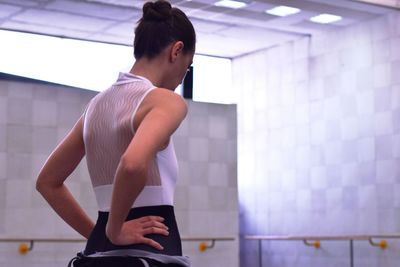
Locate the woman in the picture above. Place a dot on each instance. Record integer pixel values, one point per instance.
(125, 134)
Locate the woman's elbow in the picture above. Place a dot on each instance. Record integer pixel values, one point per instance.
(43, 184)
(40, 185)
(131, 167)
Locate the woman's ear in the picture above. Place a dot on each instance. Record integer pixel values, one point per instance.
(177, 48)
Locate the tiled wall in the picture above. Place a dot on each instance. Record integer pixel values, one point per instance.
(319, 145)
(35, 117)
(207, 196)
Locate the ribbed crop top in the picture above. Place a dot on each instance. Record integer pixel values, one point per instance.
(108, 130)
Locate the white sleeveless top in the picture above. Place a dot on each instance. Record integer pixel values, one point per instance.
(107, 132)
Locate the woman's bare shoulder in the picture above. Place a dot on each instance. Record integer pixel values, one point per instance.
(161, 100)
(164, 98)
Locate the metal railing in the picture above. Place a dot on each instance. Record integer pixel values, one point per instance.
(23, 248)
(315, 241)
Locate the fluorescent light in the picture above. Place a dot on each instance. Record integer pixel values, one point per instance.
(230, 4)
(325, 18)
(283, 11)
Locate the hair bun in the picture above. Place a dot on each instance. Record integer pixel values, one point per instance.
(157, 11)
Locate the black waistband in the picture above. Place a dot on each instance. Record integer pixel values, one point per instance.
(98, 242)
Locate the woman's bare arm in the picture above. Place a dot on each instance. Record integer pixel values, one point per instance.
(50, 182)
(163, 116)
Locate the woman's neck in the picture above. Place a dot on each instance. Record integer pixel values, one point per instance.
(150, 69)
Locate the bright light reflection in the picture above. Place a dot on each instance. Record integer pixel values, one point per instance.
(325, 18)
(88, 65)
(283, 11)
(95, 66)
(230, 4)
(212, 80)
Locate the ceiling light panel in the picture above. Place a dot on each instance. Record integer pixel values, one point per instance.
(325, 18)
(230, 4)
(283, 11)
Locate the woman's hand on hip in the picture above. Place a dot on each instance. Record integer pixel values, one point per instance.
(134, 232)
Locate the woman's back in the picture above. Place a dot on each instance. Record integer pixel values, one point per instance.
(108, 130)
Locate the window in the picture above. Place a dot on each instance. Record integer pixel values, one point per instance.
(95, 66)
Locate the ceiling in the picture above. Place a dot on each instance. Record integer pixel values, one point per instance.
(222, 32)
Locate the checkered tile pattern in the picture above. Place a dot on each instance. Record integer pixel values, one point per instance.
(319, 152)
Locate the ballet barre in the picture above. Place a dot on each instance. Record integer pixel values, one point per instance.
(24, 248)
(203, 246)
(315, 241)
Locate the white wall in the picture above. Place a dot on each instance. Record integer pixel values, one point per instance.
(34, 117)
(319, 145)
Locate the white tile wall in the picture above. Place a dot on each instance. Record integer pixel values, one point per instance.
(14, 169)
(67, 113)
(44, 139)
(19, 138)
(44, 113)
(19, 111)
(3, 137)
(332, 165)
(19, 90)
(199, 149)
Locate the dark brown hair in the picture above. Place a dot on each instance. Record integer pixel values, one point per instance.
(160, 25)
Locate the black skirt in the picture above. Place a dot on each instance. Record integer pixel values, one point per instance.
(98, 241)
